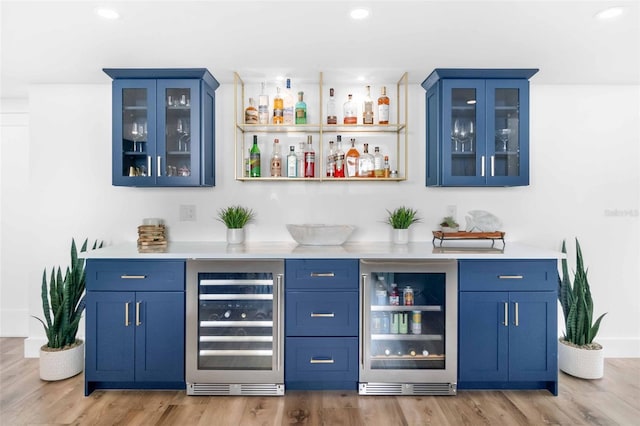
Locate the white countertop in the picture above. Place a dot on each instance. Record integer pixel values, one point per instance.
(356, 250)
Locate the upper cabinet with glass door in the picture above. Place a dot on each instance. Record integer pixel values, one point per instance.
(478, 127)
(163, 127)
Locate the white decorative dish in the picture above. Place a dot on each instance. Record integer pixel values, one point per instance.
(320, 234)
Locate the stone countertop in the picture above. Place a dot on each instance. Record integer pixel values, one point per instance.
(356, 250)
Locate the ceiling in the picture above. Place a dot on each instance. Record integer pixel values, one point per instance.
(65, 42)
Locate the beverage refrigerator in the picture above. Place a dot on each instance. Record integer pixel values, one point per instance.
(234, 339)
(408, 334)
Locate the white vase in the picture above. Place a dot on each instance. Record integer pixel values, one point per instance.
(61, 364)
(235, 235)
(582, 363)
(400, 236)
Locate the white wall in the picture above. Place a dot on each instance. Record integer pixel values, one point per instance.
(584, 182)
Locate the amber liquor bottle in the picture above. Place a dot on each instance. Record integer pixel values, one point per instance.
(383, 107)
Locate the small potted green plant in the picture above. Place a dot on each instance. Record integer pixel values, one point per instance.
(235, 218)
(449, 224)
(400, 220)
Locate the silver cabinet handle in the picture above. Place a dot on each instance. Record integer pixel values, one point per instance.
(363, 282)
(133, 277)
(126, 314)
(482, 167)
(493, 164)
(138, 314)
(158, 164)
(517, 321)
(149, 165)
(321, 361)
(279, 326)
(510, 277)
(322, 274)
(506, 314)
(319, 315)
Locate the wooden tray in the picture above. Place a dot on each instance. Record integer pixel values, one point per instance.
(463, 235)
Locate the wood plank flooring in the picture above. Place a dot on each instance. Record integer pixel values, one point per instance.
(26, 400)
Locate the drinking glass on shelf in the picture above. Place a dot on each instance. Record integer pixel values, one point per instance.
(503, 138)
(183, 135)
(455, 134)
(138, 133)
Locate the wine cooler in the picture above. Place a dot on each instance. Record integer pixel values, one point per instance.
(234, 327)
(408, 335)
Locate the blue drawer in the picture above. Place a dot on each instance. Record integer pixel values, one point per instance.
(508, 275)
(321, 314)
(321, 363)
(135, 275)
(322, 274)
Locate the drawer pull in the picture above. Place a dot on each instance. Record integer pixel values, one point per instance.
(133, 277)
(511, 277)
(126, 314)
(322, 274)
(321, 361)
(318, 315)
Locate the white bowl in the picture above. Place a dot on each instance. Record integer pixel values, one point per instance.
(319, 234)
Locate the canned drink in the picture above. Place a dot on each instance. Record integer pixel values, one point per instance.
(407, 296)
(416, 322)
(403, 323)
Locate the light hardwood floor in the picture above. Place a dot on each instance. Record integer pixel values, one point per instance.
(26, 400)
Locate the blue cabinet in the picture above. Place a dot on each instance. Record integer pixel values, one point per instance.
(321, 324)
(163, 127)
(477, 127)
(508, 325)
(134, 325)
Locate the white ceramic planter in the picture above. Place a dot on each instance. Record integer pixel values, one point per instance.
(235, 235)
(59, 365)
(400, 236)
(582, 363)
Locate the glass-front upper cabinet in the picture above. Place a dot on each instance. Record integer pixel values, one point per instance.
(478, 127)
(163, 127)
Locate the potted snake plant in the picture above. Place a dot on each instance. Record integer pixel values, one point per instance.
(579, 354)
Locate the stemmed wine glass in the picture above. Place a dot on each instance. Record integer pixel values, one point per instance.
(456, 134)
(503, 137)
(183, 135)
(138, 134)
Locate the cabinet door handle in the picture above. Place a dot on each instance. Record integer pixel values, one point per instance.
(138, 314)
(158, 165)
(506, 314)
(149, 166)
(482, 166)
(510, 277)
(493, 164)
(319, 315)
(133, 277)
(322, 274)
(321, 361)
(517, 321)
(126, 315)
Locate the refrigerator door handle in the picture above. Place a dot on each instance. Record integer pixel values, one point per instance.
(363, 282)
(279, 306)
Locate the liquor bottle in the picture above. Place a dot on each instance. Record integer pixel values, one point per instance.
(276, 160)
(247, 164)
(254, 158)
(381, 291)
(331, 161)
(394, 297)
(367, 110)
(339, 159)
(289, 105)
(263, 106)
(278, 108)
(309, 159)
(300, 158)
(387, 167)
(383, 107)
(292, 162)
(332, 116)
(301, 110)
(251, 113)
(350, 111)
(352, 159)
(378, 163)
(365, 163)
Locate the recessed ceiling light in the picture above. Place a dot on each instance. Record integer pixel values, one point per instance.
(105, 13)
(359, 13)
(610, 13)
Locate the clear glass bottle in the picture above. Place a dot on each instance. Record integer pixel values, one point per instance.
(352, 158)
(365, 163)
(339, 159)
(251, 113)
(378, 163)
(276, 159)
(263, 106)
(292, 162)
(386, 167)
(383, 107)
(331, 161)
(300, 157)
(332, 115)
(367, 110)
(278, 108)
(289, 104)
(301, 109)
(350, 111)
(254, 158)
(309, 159)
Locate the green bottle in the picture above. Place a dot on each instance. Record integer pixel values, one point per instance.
(254, 158)
(301, 110)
